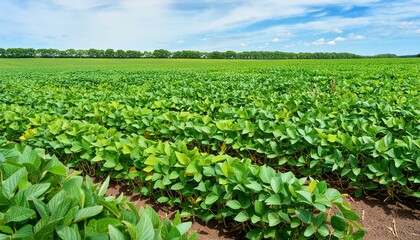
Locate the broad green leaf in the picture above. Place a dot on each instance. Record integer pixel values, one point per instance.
(144, 228)
(114, 233)
(273, 219)
(87, 212)
(304, 215)
(304, 196)
(184, 227)
(18, 213)
(234, 204)
(182, 158)
(68, 233)
(58, 170)
(218, 158)
(338, 223)
(276, 184)
(255, 186)
(24, 232)
(310, 230)
(242, 217)
(151, 160)
(36, 190)
(211, 198)
(10, 184)
(273, 200)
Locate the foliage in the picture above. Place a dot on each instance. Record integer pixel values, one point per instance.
(210, 136)
(363, 129)
(40, 201)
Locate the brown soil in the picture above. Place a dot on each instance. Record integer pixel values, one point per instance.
(388, 220)
(382, 220)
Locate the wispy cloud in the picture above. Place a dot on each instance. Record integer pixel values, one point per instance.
(306, 25)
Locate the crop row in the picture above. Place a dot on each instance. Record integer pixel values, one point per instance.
(261, 200)
(312, 143)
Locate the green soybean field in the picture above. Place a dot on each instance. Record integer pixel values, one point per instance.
(268, 146)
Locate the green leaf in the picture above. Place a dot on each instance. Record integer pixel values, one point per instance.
(153, 216)
(44, 228)
(144, 228)
(191, 169)
(6, 229)
(304, 215)
(18, 213)
(151, 160)
(331, 138)
(162, 199)
(24, 232)
(88, 212)
(218, 158)
(291, 133)
(234, 204)
(304, 196)
(348, 212)
(273, 200)
(381, 146)
(254, 234)
(102, 191)
(58, 170)
(68, 233)
(255, 186)
(241, 217)
(333, 195)
(11, 183)
(184, 227)
(273, 219)
(182, 158)
(177, 186)
(310, 230)
(211, 198)
(36, 190)
(114, 233)
(338, 223)
(276, 184)
(41, 207)
(323, 230)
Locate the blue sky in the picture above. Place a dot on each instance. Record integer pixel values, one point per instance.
(360, 26)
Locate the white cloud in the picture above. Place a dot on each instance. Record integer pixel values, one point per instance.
(339, 39)
(356, 36)
(318, 42)
(244, 44)
(418, 31)
(180, 41)
(336, 30)
(276, 40)
(407, 25)
(332, 42)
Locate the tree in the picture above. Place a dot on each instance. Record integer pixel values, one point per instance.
(109, 53)
(133, 54)
(70, 53)
(186, 54)
(230, 55)
(161, 53)
(2, 51)
(120, 53)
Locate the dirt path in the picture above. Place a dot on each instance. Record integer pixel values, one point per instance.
(382, 220)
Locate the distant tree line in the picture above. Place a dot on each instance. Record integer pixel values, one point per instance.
(162, 53)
